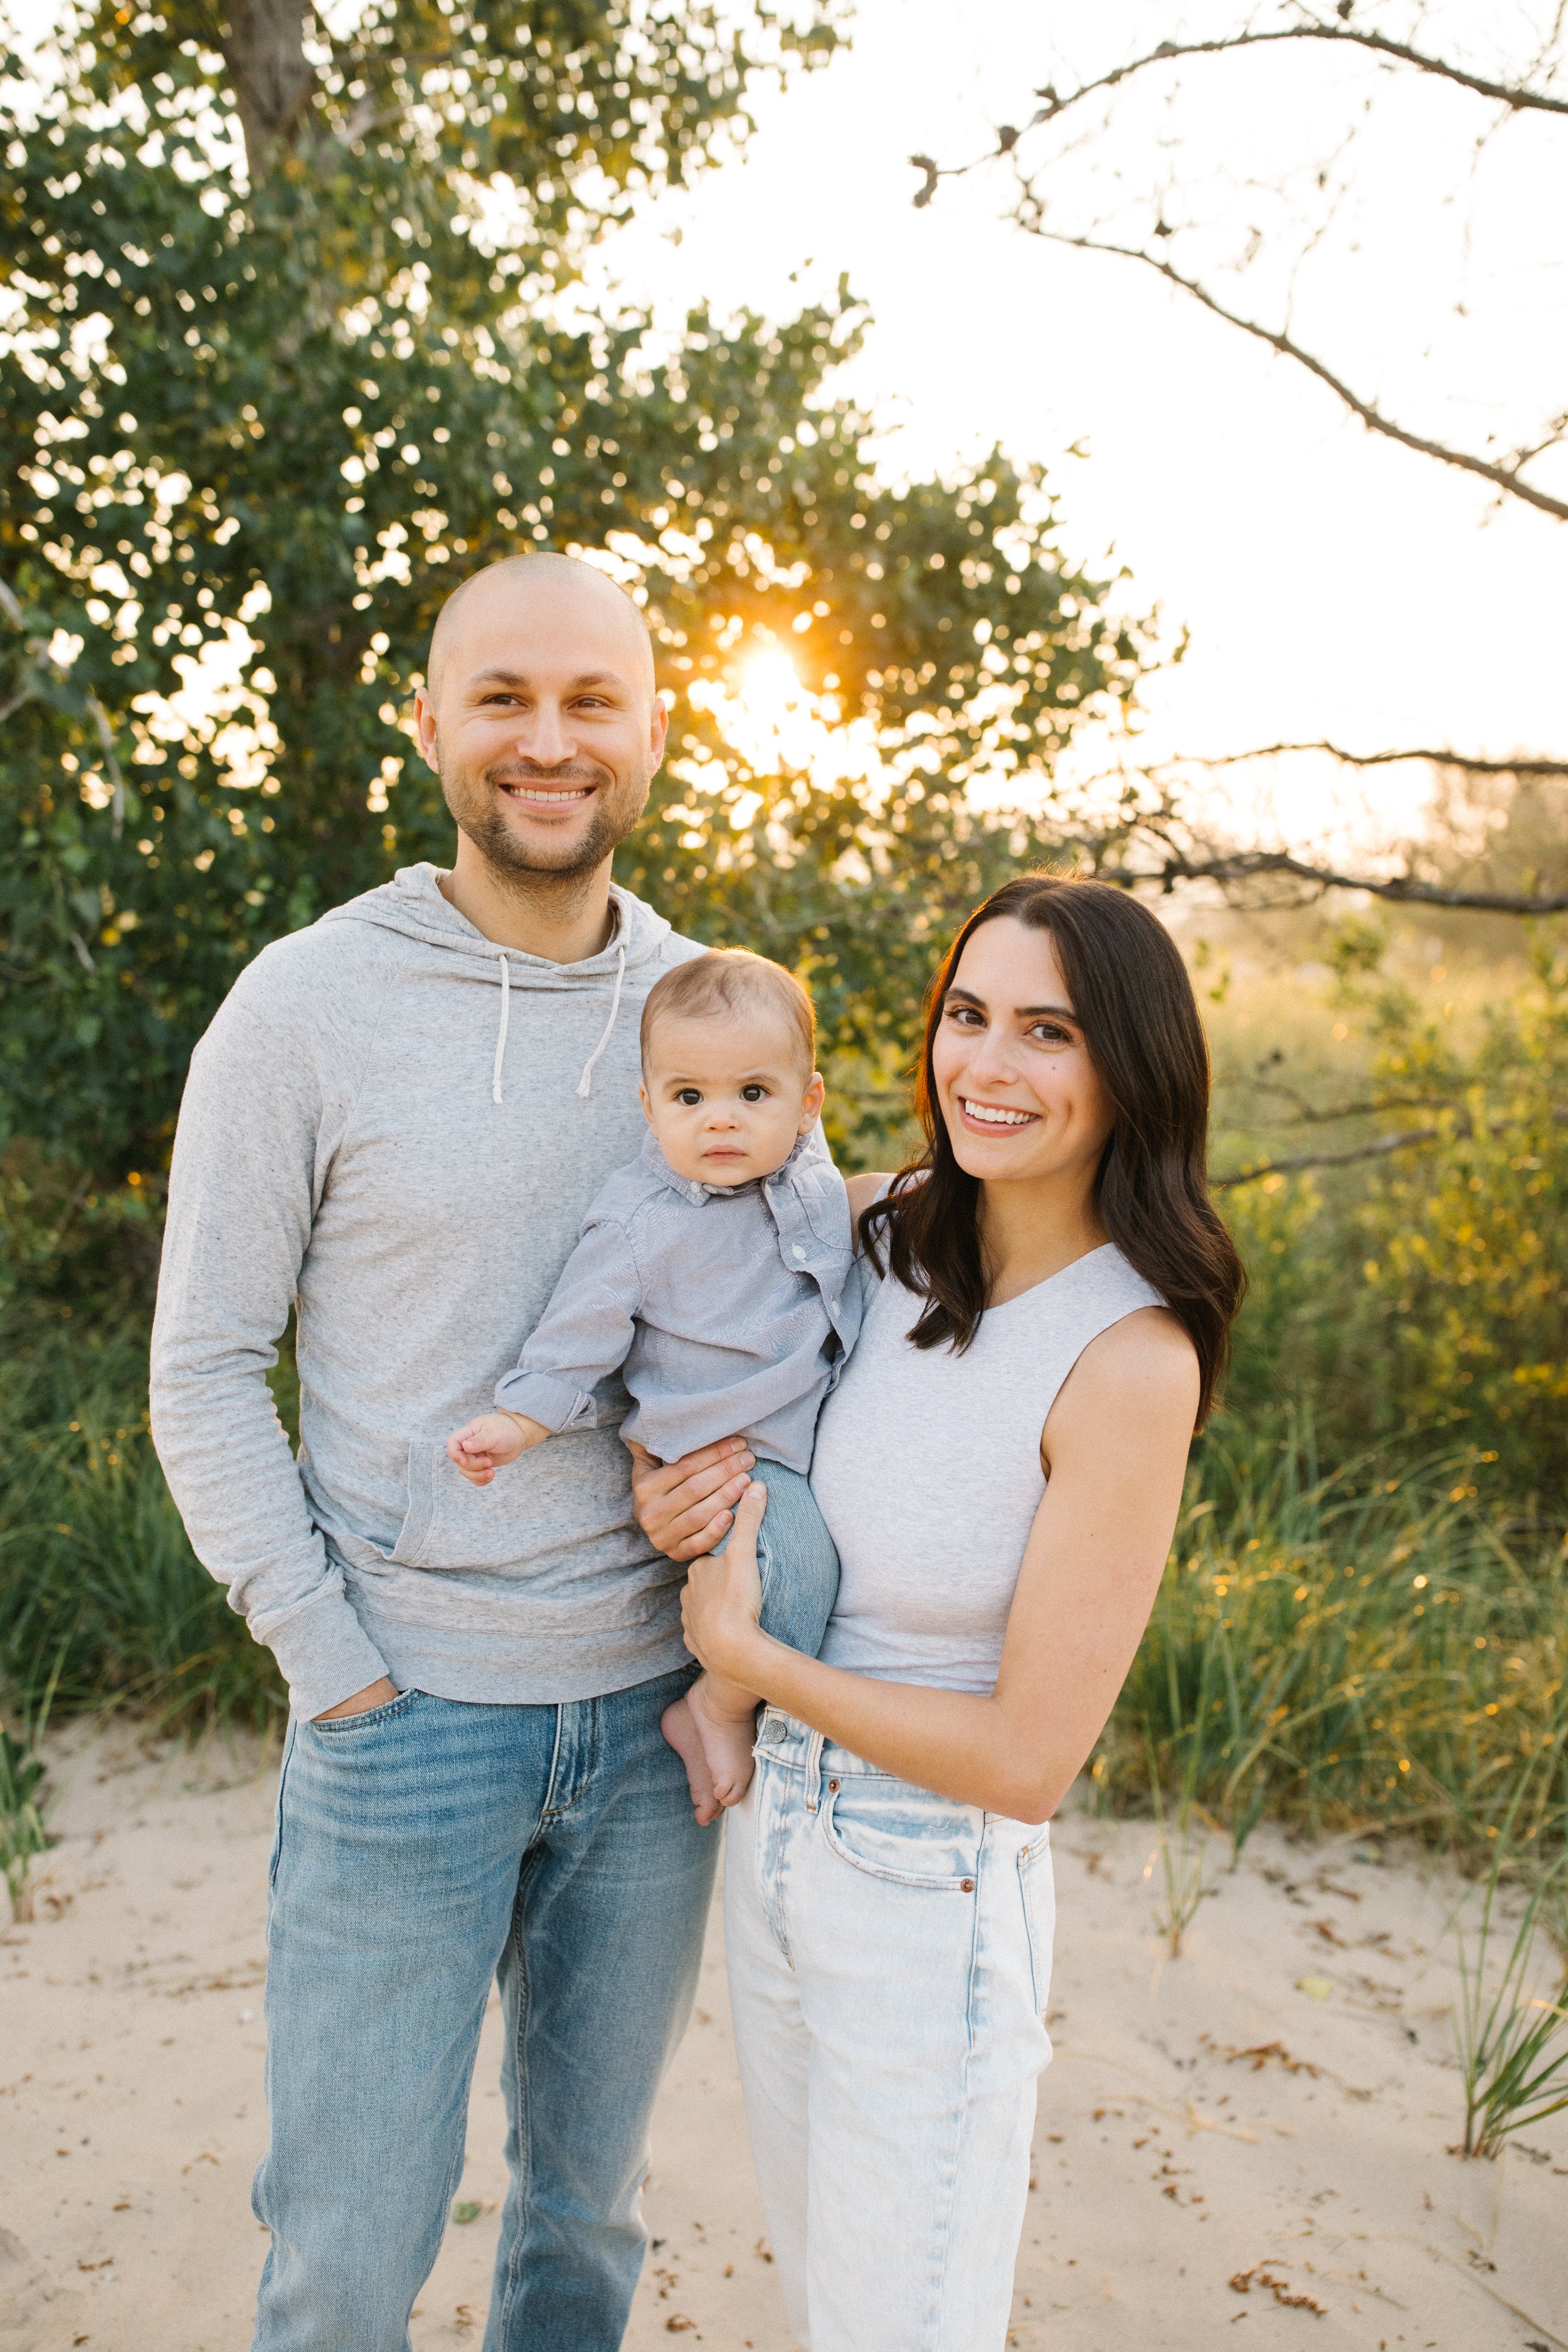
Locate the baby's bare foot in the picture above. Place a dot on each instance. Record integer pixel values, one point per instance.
(678, 1725)
(726, 1741)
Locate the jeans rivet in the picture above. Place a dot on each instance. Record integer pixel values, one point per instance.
(969, 1885)
(833, 1788)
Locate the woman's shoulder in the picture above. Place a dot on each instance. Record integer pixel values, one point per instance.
(1106, 1273)
(1145, 1353)
(864, 1189)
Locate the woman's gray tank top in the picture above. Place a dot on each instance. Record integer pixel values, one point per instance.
(927, 1470)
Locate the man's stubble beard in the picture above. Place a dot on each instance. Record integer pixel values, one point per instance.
(518, 866)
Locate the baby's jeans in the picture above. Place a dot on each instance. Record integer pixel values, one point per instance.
(798, 1563)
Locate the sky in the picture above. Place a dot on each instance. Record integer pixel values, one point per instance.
(1333, 585)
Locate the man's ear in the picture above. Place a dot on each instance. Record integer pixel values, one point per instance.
(424, 727)
(811, 1102)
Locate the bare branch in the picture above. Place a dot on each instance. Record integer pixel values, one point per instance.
(1518, 97)
(1305, 1114)
(110, 761)
(1237, 867)
(1380, 1149)
(1506, 479)
(23, 693)
(1466, 761)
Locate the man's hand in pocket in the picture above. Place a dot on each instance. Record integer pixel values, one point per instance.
(381, 1693)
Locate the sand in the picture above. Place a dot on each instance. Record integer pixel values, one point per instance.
(1245, 2143)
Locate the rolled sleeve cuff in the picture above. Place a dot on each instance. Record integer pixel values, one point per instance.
(555, 1404)
(325, 1654)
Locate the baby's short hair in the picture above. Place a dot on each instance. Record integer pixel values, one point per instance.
(729, 980)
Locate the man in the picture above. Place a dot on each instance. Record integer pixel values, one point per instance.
(394, 1126)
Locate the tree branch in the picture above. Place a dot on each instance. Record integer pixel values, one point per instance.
(1305, 1114)
(1465, 761)
(1405, 889)
(1379, 1150)
(1293, 1166)
(1502, 477)
(110, 760)
(1516, 96)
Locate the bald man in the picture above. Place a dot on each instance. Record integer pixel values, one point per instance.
(393, 1129)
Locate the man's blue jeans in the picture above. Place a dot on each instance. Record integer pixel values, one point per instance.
(424, 1848)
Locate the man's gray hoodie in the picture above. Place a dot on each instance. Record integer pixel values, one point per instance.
(394, 1128)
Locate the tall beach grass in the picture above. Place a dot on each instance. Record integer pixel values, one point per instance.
(1368, 1647)
(1357, 1649)
(102, 1602)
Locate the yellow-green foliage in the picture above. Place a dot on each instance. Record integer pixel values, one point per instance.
(1360, 1650)
(1467, 1241)
(1418, 1294)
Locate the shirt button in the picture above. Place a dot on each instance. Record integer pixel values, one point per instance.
(798, 1251)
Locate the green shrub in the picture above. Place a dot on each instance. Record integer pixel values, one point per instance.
(1346, 1650)
(100, 1590)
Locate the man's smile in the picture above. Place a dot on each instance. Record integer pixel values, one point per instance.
(546, 796)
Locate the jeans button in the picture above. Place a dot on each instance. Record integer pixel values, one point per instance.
(773, 1730)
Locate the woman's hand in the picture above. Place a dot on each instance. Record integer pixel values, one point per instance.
(724, 1599)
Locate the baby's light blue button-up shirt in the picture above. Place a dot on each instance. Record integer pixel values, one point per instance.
(726, 1309)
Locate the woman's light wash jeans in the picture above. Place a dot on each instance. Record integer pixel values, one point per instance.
(426, 1849)
(797, 1562)
(889, 1960)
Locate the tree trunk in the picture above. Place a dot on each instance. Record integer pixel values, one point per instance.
(270, 74)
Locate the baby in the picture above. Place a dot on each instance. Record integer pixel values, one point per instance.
(716, 1275)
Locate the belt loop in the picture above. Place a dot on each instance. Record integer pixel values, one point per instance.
(813, 1771)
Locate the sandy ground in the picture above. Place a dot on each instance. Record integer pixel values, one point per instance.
(1251, 2135)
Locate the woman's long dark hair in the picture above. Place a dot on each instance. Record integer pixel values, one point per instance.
(1132, 995)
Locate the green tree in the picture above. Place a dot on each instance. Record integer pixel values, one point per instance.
(287, 351)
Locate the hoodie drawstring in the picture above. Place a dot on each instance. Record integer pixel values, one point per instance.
(500, 1036)
(584, 1081)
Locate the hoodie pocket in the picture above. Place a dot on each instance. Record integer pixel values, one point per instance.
(450, 1524)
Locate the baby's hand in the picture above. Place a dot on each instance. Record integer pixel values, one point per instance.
(486, 1443)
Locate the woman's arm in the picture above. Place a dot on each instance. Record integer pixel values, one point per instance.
(1116, 1446)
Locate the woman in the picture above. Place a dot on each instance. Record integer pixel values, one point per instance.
(1050, 1292)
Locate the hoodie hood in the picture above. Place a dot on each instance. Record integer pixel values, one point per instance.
(412, 905)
